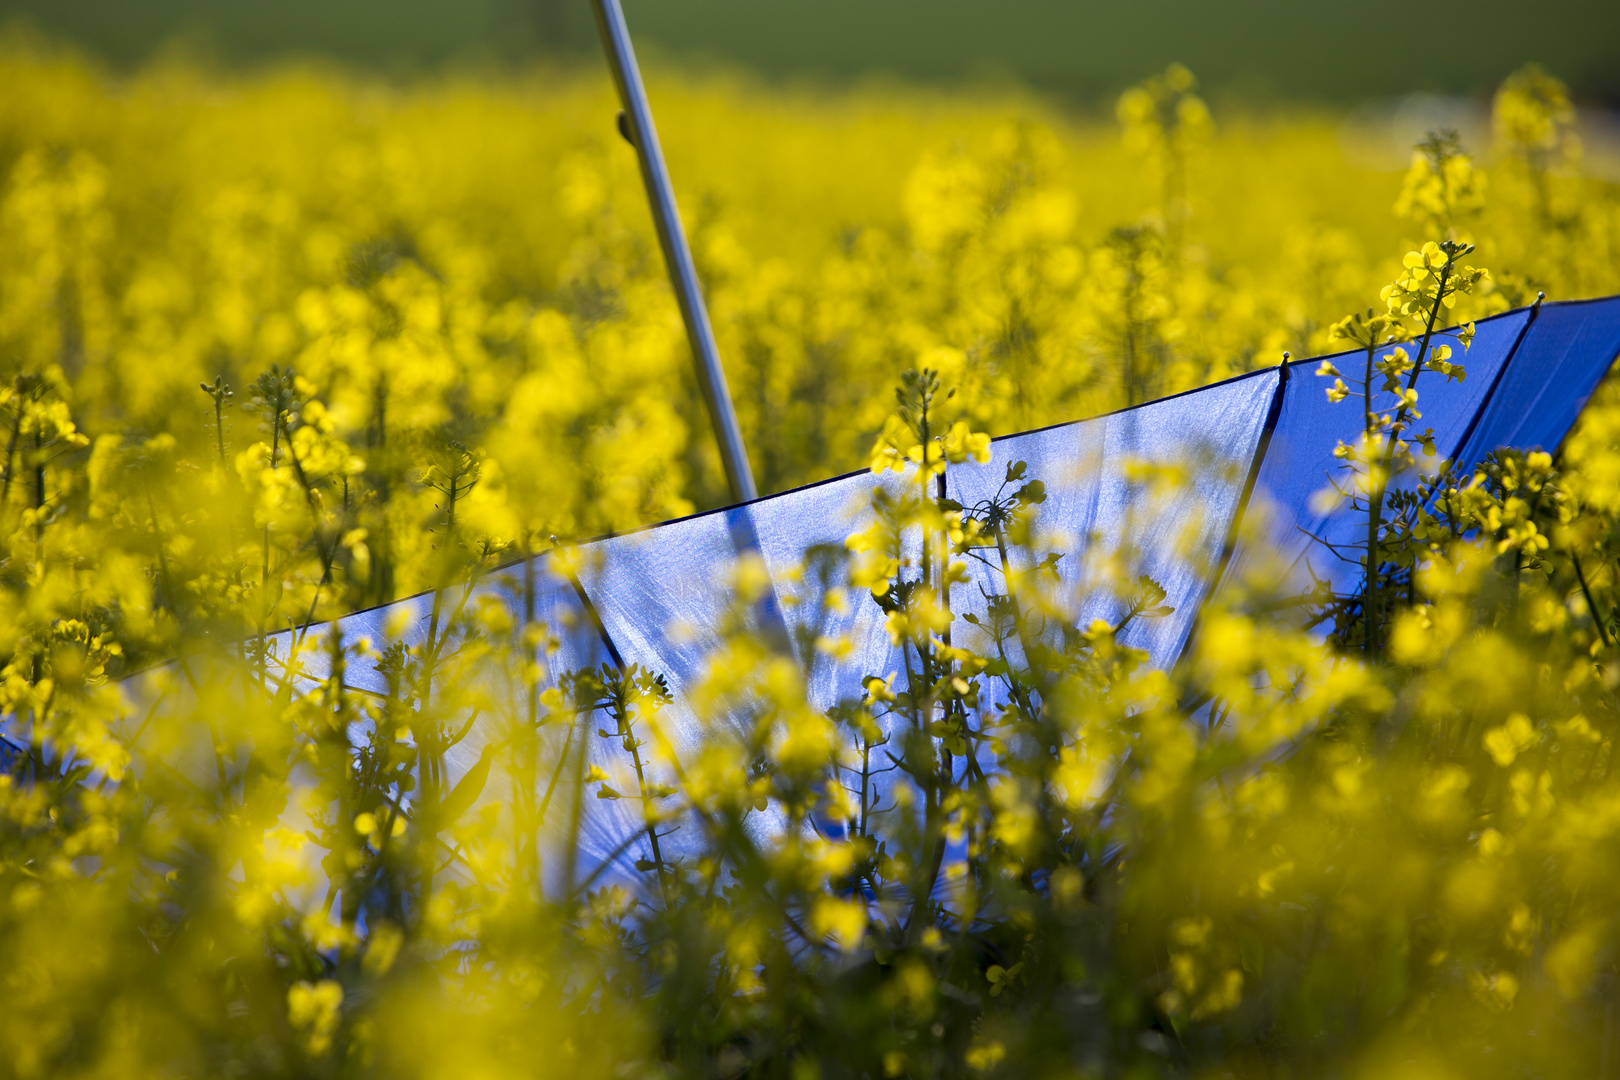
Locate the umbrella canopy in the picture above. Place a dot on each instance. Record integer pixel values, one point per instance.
(659, 598)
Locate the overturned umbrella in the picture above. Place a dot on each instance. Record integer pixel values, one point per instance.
(659, 598)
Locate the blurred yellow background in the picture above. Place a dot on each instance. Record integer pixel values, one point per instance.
(472, 252)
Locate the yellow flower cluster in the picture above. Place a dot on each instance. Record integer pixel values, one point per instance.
(285, 345)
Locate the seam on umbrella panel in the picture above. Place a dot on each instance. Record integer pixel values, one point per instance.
(1496, 383)
(596, 619)
(1229, 545)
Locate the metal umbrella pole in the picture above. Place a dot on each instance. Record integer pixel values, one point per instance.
(677, 255)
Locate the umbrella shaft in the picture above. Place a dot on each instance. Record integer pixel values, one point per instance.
(677, 254)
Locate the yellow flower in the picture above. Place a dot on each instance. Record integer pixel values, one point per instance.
(1506, 741)
(843, 920)
(312, 1009)
(963, 444)
(983, 1056)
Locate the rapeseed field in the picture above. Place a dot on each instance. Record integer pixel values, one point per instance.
(284, 345)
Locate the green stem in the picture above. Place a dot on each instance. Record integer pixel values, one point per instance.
(1369, 605)
(1379, 478)
(39, 493)
(219, 428)
(626, 726)
(1591, 604)
(11, 454)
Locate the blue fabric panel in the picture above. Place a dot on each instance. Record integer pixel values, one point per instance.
(1299, 462)
(1102, 500)
(1101, 505)
(788, 526)
(664, 594)
(579, 645)
(1565, 352)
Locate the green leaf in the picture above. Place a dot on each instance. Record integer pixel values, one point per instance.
(1032, 493)
(467, 789)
